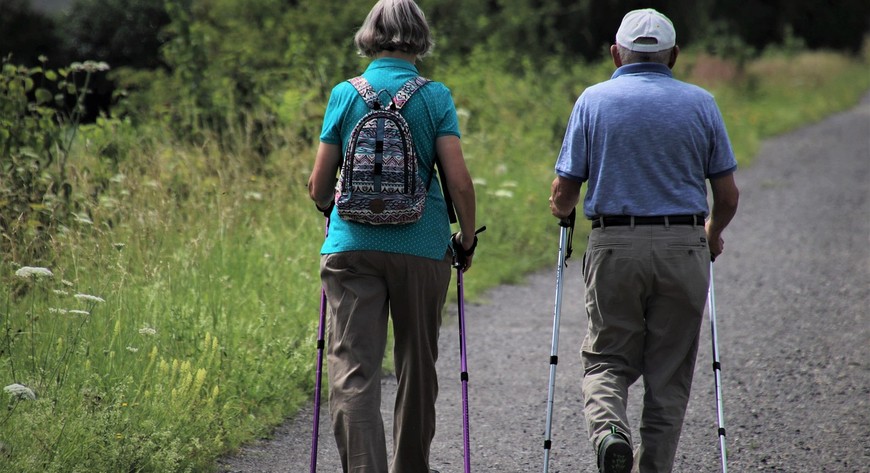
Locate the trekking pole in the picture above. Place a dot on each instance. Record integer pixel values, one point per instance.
(565, 248)
(459, 264)
(717, 368)
(315, 430)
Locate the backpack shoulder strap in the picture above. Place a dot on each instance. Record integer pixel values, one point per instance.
(406, 91)
(366, 91)
(402, 96)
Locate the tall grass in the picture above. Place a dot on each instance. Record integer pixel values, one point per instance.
(197, 336)
(780, 92)
(180, 318)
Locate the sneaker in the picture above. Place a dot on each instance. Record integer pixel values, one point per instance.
(614, 454)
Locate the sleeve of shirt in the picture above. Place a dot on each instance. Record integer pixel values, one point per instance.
(572, 160)
(449, 122)
(722, 160)
(331, 131)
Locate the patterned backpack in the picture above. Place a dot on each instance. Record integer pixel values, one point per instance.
(379, 183)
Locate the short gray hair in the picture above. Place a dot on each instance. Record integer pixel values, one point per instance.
(630, 57)
(394, 25)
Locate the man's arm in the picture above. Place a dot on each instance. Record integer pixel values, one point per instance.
(564, 196)
(725, 198)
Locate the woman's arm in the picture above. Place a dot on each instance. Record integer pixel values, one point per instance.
(459, 185)
(321, 184)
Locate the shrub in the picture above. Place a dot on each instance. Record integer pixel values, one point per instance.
(36, 196)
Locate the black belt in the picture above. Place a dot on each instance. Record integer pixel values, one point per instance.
(624, 220)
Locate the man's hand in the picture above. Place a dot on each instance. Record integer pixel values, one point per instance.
(715, 242)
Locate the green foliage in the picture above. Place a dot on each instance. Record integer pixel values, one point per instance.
(36, 195)
(242, 74)
(26, 33)
(821, 25)
(100, 382)
(190, 224)
(123, 32)
(195, 338)
(780, 93)
(231, 63)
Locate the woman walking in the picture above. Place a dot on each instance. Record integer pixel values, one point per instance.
(374, 273)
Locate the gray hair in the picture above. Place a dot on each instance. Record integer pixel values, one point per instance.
(630, 57)
(394, 25)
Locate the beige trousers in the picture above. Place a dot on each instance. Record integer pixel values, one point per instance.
(646, 288)
(362, 289)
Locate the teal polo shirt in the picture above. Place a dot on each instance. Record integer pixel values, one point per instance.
(430, 114)
(645, 143)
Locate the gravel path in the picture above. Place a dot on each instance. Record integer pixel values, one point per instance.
(793, 323)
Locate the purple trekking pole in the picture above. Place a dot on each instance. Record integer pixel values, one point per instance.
(459, 262)
(463, 376)
(315, 430)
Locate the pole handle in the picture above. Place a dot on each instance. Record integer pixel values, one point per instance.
(568, 223)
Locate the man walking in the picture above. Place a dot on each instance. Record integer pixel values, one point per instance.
(645, 144)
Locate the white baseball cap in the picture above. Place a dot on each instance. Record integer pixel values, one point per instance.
(646, 31)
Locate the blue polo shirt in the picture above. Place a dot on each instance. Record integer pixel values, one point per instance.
(645, 143)
(430, 114)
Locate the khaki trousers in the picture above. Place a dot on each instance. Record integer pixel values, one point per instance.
(646, 288)
(362, 288)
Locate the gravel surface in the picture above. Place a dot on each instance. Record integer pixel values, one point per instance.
(793, 324)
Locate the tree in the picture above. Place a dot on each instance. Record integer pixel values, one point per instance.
(119, 32)
(26, 33)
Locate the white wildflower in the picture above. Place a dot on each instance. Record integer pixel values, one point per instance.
(55, 310)
(132, 349)
(253, 196)
(479, 181)
(119, 246)
(89, 66)
(88, 297)
(60, 292)
(79, 312)
(509, 184)
(20, 391)
(27, 271)
(148, 331)
(503, 193)
(66, 283)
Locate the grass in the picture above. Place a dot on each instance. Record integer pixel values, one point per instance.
(193, 330)
(783, 92)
